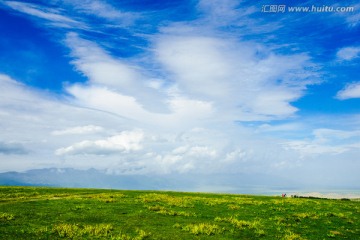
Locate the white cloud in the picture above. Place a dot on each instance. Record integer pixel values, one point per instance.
(229, 13)
(103, 10)
(99, 66)
(116, 74)
(78, 130)
(119, 87)
(221, 76)
(53, 15)
(105, 99)
(210, 148)
(348, 53)
(183, 108)
(182, 112)
(236, 155)
(234, 76)
(185, 158)
(307, 149)
(29, 119)
(200, 81)
(287, 127)
(194, 59)
(325, 135)
(350, 91)
(353, 19)
(124, 142)
(202, 151)
(327, 141)
(219, 12)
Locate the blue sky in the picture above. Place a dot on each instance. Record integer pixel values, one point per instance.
(175, 87)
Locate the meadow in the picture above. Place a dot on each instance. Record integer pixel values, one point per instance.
(59, 213)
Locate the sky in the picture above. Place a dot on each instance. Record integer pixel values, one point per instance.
(211, 87)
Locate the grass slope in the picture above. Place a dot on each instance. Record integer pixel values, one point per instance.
(55, 213)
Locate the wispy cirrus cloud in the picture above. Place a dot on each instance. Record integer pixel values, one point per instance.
(328, 141)
(353, 19)
(103, 10)
(234, 15)
(55, 17)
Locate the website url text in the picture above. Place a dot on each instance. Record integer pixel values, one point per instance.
(313, 8)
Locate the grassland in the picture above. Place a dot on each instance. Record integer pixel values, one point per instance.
(55, 213)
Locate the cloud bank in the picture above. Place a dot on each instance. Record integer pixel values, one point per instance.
(222, 90)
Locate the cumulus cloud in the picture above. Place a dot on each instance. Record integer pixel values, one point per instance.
(350, 91)
(126, 141)
(186, 158)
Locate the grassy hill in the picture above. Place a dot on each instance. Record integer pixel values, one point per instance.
(58, 213)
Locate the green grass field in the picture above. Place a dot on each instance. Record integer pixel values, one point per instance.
(55, 213)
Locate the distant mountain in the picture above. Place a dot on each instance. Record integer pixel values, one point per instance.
(68, 177)
(92, 178)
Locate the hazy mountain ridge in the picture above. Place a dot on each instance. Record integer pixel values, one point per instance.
(92, 178)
